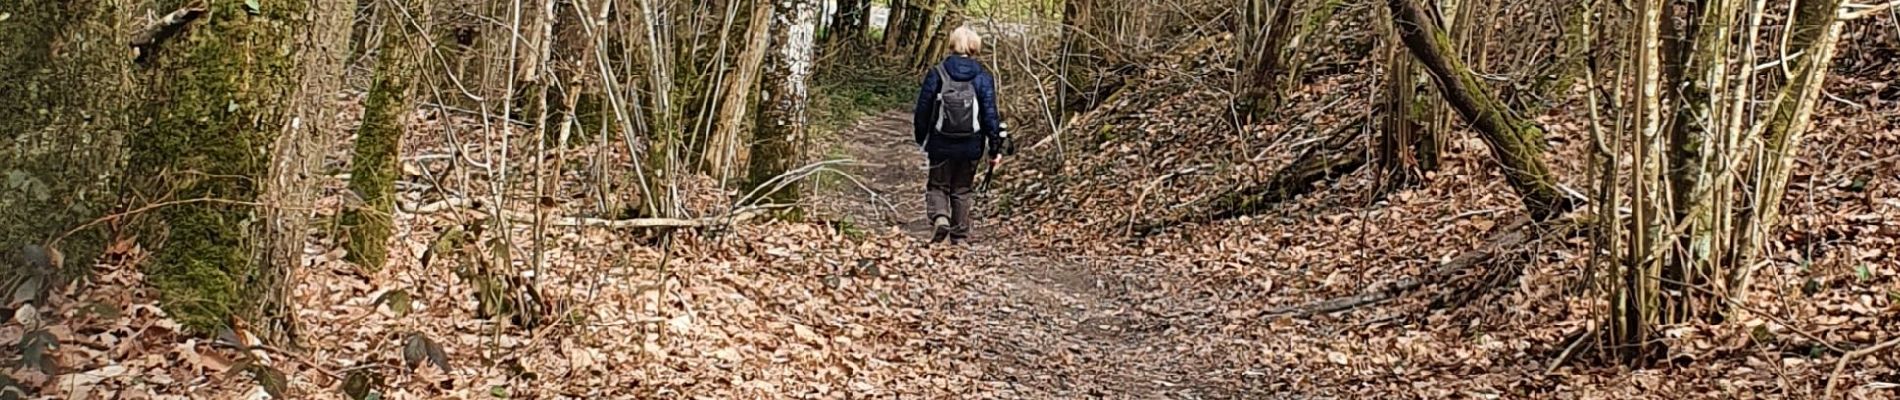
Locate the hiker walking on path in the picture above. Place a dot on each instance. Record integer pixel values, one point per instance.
(956, 123)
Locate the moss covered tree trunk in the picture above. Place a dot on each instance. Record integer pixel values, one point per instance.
(374, 169)
(62, 116)
(779, 134)
(1517, 144)
(218, 105)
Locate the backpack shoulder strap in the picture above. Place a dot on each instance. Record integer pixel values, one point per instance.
(944, 73)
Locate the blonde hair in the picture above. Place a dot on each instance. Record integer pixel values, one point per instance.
(965, 41)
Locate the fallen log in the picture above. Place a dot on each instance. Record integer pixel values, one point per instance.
(1514, 239)
(736, 215)
(1342, 153)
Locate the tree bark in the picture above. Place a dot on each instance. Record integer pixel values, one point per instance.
(1266, 28)
(724, 150)
(896, 25)
(1691, 164)
(62, 118)
(374, 169)
(1517, 144)
(1817, 30)
(218, 108)
(778, 145)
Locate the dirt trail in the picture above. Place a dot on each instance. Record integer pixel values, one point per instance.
(1040, 325)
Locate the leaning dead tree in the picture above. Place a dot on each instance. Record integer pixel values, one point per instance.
(1516, 143)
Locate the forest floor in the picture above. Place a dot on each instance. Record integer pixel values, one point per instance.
(1052, 300)
(1040, 322)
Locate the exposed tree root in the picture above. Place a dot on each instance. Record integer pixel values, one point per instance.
(1518, 239)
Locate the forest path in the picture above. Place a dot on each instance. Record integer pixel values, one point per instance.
(1040, 323)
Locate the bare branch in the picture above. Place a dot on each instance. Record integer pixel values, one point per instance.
(1863, 11)
(146, 42)
(1849, 357)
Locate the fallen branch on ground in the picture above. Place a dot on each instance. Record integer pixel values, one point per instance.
(1341, 154)
(734, 216)
(1863, 11)
(1511, 239)
(1850, 356)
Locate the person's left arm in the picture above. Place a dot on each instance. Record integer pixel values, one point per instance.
(992, 118)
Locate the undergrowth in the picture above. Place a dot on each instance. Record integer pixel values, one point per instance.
(856, 83)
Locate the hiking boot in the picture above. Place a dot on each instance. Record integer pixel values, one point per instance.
(941, 226)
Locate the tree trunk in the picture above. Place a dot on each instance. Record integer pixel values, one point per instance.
(1817, 29)
(220, 103)
(62, 116)
(896, 25)
(1406, 149)
(1689, 248)
(778, 145)
(1266, 28)
(936, 28)
(1087, 57)
(846, 22)
(723, 151)
(938, 44)
(1517, 144)
(1691, 163)
(374, 169)
(1636, 295)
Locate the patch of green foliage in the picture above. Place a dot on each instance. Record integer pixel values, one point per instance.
(853, 85)
(1016, 9)
(851, 230)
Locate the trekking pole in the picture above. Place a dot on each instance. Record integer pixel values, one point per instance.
(989, 174)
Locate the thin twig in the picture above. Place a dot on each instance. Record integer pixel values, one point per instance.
(1865, 10)
(293, 356)
(1850, 356)
(146, 208)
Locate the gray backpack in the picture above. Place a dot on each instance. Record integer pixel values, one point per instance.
(957, 107)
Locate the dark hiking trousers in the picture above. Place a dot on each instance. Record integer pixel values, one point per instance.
(948, 194)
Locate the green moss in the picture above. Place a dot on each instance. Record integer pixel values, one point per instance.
(374, 169)
(218, 102)
(62, 124)
(373, 176)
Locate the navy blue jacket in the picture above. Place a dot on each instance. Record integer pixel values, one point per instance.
(925, 116)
